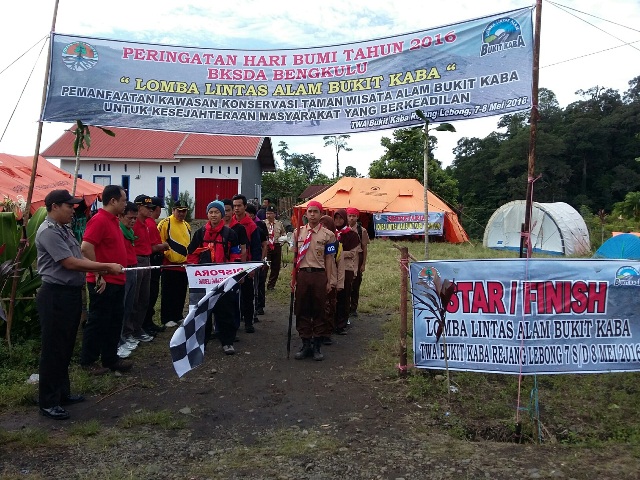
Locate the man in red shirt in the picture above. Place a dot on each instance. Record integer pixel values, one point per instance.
(103, 242)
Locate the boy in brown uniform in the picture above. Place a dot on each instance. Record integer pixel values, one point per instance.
(312, 280)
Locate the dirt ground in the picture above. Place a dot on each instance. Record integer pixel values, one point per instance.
(258, 415)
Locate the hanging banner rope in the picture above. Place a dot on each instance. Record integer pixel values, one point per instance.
(473, 69)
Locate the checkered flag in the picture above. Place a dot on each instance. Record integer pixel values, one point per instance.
(187, 342)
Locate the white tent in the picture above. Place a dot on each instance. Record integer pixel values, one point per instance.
(556, 228)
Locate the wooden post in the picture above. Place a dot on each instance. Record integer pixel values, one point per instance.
(404, 270)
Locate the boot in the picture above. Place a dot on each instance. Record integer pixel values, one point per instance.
(317, 354)
(305, 351)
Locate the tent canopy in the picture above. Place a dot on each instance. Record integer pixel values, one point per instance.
(15, 176)
(625, 245)
(375, 195)
(556, 228)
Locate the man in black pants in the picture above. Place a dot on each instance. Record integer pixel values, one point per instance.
(59, 301)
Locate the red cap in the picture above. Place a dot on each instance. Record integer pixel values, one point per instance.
(314, 203)
(353, 211)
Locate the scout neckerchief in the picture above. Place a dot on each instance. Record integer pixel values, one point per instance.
(302, 251)
(271, 239)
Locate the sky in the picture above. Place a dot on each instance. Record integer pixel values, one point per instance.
(569, 56)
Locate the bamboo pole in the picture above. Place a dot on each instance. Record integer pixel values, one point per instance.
(23, 240)
(533, 133)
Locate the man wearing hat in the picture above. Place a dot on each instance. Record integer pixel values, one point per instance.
(59, 301)
(176, 232)
(353, 214)
(312, 279)
(144, 249)
(156, 260)
(275, 230)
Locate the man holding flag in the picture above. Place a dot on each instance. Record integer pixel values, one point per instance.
(312, 280)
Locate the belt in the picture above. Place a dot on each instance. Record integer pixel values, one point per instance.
(311, 269)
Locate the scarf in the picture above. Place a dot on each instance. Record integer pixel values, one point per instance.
(128, 234)
(303, 248)
(249, 225)
(209, 242)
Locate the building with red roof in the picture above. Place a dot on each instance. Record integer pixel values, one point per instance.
(159, 163)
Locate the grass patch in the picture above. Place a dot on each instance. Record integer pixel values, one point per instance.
(292, 443)
(85, 429)
(163, 419)
(24, 439)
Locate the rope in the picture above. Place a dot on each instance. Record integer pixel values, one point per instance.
(22, 92)
(9, 66)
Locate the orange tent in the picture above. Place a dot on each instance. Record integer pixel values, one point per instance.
(15, 176)
(373, 195)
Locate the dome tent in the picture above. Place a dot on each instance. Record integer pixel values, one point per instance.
(625, 245)
(556, 228)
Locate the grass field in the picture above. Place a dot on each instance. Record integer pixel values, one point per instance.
(589, 410)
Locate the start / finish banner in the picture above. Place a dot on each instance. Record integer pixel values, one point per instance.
(387, 224)
(532, 317)
(473, 69)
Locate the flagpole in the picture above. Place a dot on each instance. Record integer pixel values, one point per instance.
(32, 182)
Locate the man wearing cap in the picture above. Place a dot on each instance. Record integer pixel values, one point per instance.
(353, 214)
(149, 325)
(275, 230)
(176, 232)
(59, 301)
(133, 329)
(103, 242)
(312, 279)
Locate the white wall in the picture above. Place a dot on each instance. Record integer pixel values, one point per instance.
(143, 175)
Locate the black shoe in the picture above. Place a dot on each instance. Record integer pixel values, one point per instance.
(57, 413)
(327, 341)
(341, 331)
(256, 320)
(260, 311)
(249, 329)
(71, 399)
(121, 366)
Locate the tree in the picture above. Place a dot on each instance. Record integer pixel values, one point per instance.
(630, 207)
(404, 158)
(307, 163)
(340, 143)
(351, 172)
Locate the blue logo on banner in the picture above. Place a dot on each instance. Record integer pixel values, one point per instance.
(79, 56)
(501, 34)
(330, 249)
(627, 276)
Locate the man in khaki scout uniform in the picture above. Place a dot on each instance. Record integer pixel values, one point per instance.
(275, 230)
(313, 277)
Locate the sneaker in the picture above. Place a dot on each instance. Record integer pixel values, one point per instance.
(249, 329)
(131, 341)
(143, 337)
(95, 369)
(121, 366)
(348, 323)
(228, 349)
(123, 352)
(171, 324)
(129, 346)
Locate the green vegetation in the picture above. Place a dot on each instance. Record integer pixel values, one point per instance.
(163, 419)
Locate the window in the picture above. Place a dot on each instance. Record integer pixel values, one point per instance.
(202, 168)
(160, 168)
(175, 187)
(236, 170)
(229, 170)
(174, 169)
(79, 175)
(125, 184)
(125, 167)
(220, 169)
(160, 182)
(108, 167)
(95, 167)
(211, 169)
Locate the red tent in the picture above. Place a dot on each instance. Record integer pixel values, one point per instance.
(15, 175)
